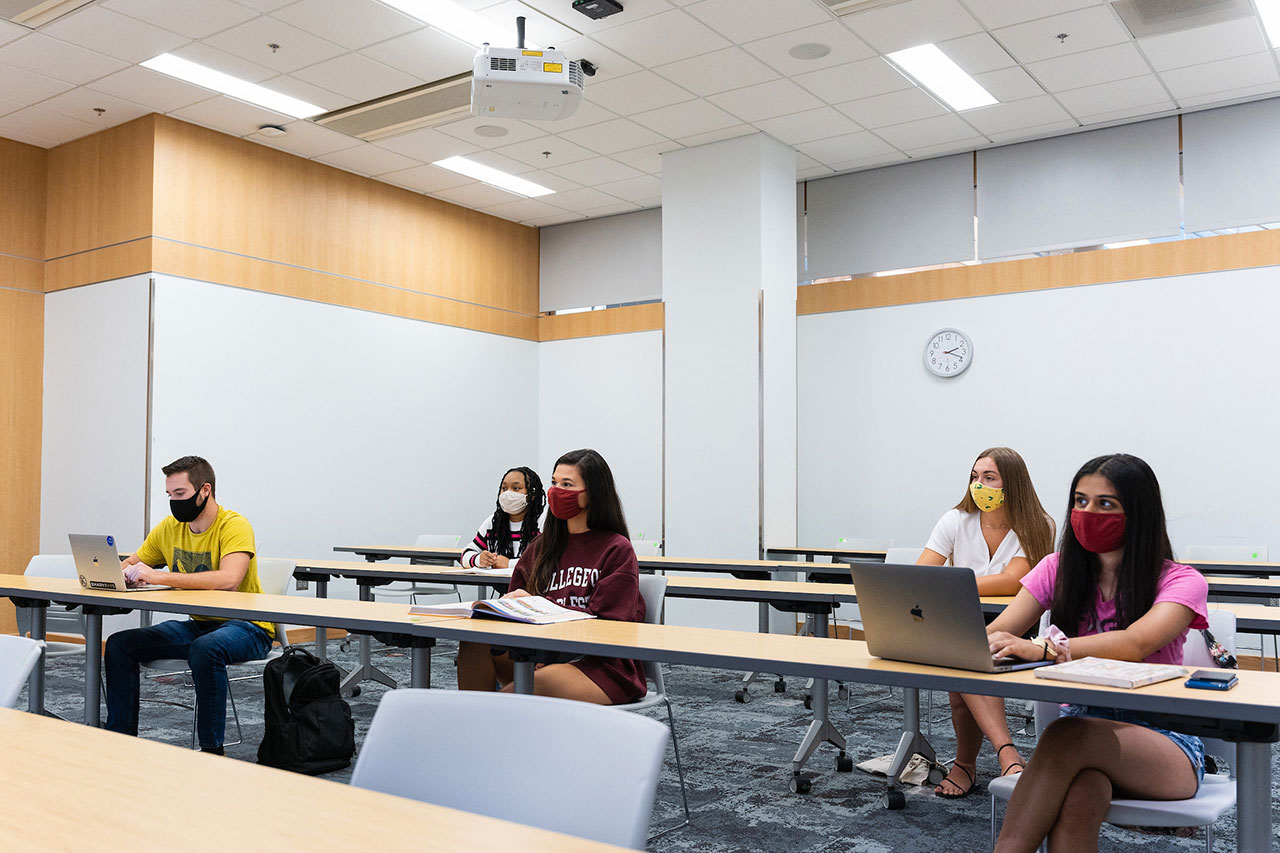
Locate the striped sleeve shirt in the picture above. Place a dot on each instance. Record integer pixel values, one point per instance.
(478, 543)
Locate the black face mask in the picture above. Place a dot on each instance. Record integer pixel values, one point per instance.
(186, 510)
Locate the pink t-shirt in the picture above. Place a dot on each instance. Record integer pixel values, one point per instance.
(1178, 583)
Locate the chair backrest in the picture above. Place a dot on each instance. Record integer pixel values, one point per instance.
(18, 656)
(647, 547)
(275, 574)
(852, 543)
(1226, 553)
(581, 769)
(437, 540)
(653, 589)
(51, 566)
(902, 556)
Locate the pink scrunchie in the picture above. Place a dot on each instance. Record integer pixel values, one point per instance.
(1060, 642)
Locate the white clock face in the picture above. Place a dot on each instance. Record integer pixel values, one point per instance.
(947, 353)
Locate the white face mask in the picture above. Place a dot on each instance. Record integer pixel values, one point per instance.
(512, 502)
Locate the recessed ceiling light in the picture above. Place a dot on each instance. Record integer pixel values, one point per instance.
(1269, 11)
(192, 72)
(455, 20)
(492, 131)
(935, 71)
(1124, 244)
(492, 176)
(809, 50)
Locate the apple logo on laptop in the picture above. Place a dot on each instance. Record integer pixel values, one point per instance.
(917, 614)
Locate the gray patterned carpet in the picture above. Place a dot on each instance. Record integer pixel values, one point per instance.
(737, 762)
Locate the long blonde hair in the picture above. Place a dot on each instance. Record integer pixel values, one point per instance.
(1026, 514)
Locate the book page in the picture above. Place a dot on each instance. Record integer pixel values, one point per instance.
(531, 608)
(456, 609)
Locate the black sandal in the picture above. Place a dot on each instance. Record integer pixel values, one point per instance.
(1009, 770)
(964, 792)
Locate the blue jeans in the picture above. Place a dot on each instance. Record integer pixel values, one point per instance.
(207, 646)
(1190, 745)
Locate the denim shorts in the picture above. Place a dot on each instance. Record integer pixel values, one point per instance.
(1191, 746)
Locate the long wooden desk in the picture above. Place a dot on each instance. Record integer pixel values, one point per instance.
(869, 554)
(69, 787)
(1249, 713)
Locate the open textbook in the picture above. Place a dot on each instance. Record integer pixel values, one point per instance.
(533, 609)
(1112, 673)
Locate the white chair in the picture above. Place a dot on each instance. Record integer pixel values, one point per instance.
(902, 556)
(653, 588)
(18, 656)
(1237, 554)
(1217, 793)
(647, 547)
(576, 768)
(413, 589)
(59, 618)
(274, 576)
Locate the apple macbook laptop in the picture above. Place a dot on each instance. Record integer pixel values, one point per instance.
(926, 614)
(98, 564)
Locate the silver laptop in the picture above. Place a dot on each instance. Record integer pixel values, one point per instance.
(98, 564)
(926, 614)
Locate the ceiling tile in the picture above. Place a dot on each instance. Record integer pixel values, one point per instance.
(963, 146)
(501, 162)
(558, 219)
(609, 64)
(719, 71)
(357, 76)
(847, 147)
(297, 48)
(893, 108)
(717, 135)
(475, 195)
(350, 23)
(100, 29)
(17, 134)
(9, 32)
(586, 113)
(541, 29)
(425, 179)
(774, 51)
(1016, 115)
(194, 19)
(42, 124)
(596, 171)
(977, 53)
(307, 139)
(426, 54)
(1009, 84)
(160, 92)
(746, 20)
(765, 100)
(903, 25)
(308, 92)
(522, 210)
(465, 129)
(265, 6)
(808, 126)
(612, 209)
(1086, 29)
(662, 38)
(1001, 13)
(1089, 68)
(551, 181)
(649, 158)
(231, 116)
(930, 131)
(1230, 95)
(581, 199)
(1131, 113)
(427, 145)
(1117, 95)
(1204, 44)
(58, 59)
(7, 107)
(686, 119)
(28, 87)
(861, 79)
(546, 152)
(227, 63)
(814, 173)
(612, 136)
(1223, 75)
(1026, 133)
(636, 93)
(79, 103)
(635, 9)
(639, 190)
(366, 159)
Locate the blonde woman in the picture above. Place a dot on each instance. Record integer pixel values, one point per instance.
(1000, 530)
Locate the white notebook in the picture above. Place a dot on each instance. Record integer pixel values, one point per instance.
(532, 609)
(1112, 673)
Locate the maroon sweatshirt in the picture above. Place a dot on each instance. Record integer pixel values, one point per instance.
(597, 574)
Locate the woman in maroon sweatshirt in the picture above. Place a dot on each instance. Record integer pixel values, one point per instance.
(584, 561)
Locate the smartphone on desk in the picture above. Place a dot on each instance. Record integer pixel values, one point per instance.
(1212, 679)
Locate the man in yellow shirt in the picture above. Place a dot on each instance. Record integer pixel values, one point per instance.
(205, 546)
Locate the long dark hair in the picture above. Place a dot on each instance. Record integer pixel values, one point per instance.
(604, 512)
(1146, 547)
(499, 539)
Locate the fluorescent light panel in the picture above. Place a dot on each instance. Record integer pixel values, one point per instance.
(200, 75)
(1269, 11)
(458, 21)
(492, 176)
(935, 71)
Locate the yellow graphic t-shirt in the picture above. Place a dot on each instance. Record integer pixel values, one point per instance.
(171, 543)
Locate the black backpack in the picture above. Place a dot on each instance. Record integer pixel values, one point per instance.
(308, 724)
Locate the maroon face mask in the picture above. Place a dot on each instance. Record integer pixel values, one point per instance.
(563, 503)
(1098, 532)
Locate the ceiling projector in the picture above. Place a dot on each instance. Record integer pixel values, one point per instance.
(526, 84)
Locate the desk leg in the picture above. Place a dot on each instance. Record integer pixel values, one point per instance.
(820, 731)
(92, 669)
(366, 671)
(322, 633)
(912, 741)
(420, 661)
(523, 671)
(35, 685)
(1253, 796)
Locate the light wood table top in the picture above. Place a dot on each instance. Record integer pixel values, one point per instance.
(74, 788)
(847, 553)
(1261, 587)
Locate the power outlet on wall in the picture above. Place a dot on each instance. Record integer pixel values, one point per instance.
(301, 584)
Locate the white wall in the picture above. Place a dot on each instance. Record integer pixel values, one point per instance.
(1180, 371)
(603, 261)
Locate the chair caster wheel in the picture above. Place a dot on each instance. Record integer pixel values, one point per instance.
(742, 696)
(801, 784)
(355, 691)
(937, 773)
(844, 764)
(808, 700)
(894, 800)
(842, 692)
(780, 686)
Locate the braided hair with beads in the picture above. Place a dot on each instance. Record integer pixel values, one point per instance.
(498, 540)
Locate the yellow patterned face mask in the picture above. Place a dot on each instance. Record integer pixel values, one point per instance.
(986, 497)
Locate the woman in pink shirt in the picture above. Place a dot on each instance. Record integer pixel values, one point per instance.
(1113, 591)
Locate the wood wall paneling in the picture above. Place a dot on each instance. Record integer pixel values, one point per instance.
(609, 321)
(105, 264)
(22, 214)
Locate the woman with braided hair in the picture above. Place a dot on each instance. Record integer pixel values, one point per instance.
(516, 519)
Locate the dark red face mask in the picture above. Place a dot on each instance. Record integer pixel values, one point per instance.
(1098, 532)
(563, 503)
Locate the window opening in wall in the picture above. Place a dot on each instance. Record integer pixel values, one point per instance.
(560, 312)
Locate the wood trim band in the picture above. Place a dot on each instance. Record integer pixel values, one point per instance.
(610, 321)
